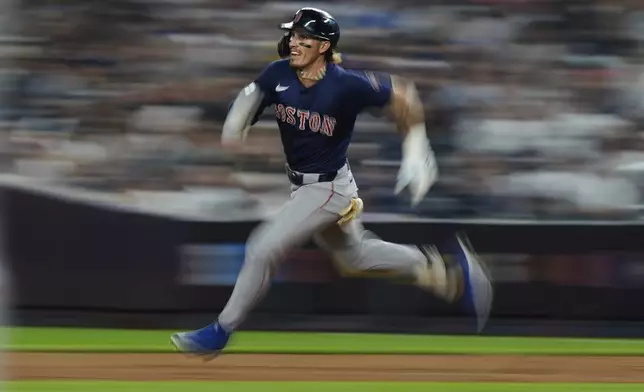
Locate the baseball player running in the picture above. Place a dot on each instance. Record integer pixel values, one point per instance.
(316, 103)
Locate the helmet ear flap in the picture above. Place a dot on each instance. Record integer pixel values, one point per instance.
(283, 45)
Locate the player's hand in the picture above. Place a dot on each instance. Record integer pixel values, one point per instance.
(418, 169)
(418, 174)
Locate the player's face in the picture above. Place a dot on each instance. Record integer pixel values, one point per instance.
(305, 50)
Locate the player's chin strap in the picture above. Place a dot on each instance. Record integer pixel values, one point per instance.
(352, 211)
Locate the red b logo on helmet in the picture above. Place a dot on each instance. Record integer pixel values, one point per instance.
(297, 17)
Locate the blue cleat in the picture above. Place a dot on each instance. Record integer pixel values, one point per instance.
(207, 342)
(477, 291)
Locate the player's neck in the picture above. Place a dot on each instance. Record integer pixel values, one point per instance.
(313, 73)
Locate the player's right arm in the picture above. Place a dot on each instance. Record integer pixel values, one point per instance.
(242, 113)
(248, 106)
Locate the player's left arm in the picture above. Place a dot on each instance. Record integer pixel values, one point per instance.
(405, 106)
(398, 97)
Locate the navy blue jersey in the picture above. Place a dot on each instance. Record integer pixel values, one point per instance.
(316, 123)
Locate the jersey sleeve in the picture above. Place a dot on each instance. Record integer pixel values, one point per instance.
(372, 90)
(268, 78)
(266, 81)
(266, 102)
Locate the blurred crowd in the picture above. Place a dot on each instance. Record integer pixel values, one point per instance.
(534, 107)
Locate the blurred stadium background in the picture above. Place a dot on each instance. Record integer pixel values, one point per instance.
(534, 106)
(115, 108)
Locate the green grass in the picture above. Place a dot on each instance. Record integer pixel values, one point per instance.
(100, 340)
(29, 386)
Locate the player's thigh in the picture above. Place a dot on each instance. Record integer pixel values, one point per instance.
(300, 218)
(342, 243)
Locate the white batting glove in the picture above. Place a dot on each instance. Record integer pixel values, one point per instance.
(418, 169)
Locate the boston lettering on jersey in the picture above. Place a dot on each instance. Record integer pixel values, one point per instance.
(316, 123)
(306, 120)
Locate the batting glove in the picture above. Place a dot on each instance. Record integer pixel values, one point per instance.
(418, 169)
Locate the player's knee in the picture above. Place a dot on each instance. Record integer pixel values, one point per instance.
(348, 262)
(261, 249)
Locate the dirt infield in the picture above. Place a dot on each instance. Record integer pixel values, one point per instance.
(238, 367)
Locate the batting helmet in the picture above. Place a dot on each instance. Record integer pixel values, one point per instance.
(316, 22)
